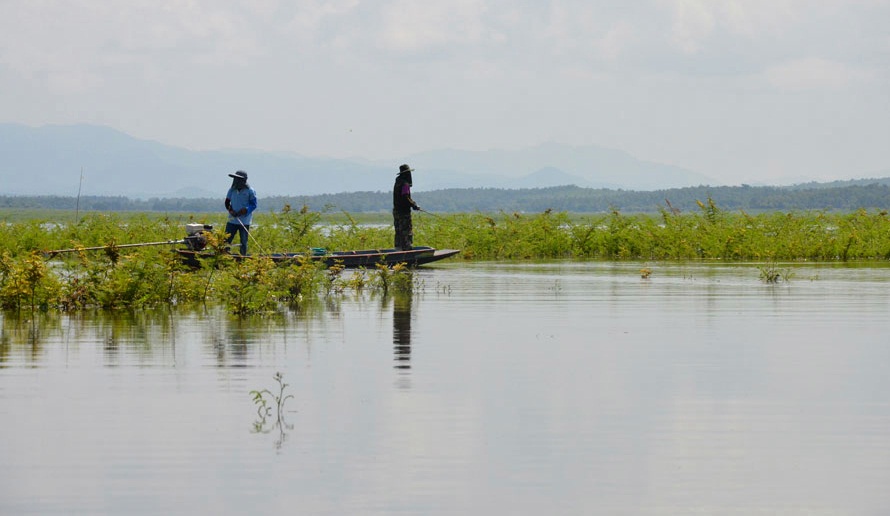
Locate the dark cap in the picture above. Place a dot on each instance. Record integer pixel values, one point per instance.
(239, 175)
(405, 169)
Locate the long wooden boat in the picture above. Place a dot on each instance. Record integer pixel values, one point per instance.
(418, 255)
(195, 252)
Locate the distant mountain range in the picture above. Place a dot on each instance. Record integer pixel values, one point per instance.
(48, 160)
(550, 165)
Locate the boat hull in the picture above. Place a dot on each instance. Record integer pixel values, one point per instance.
(350, 259)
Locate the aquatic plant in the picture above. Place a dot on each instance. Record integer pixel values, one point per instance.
(115, 277)
(502, 236)
(403, 279)
(265, 400)
(248, 286)
(710, 233)
(351, 236)
(27, 236)
(290, 229)
(772, 273)
(218, 257)
(26, 282)
(357, 281)
(298, 279)
(334, 277)
(398, 278)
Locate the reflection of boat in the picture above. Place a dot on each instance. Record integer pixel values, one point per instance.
(349, 259)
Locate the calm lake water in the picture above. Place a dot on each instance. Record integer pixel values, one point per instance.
(559, 388)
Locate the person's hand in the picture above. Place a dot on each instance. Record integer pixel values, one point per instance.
(243, 211)
(416, 207)
(232, 212)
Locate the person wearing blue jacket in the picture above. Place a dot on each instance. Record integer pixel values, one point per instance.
(240, 203)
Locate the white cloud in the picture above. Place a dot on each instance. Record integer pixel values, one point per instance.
(643, 76)
(813, 74)
(410, 26)
(613, 43)
(584, 32)
(755, 18)
(697, 25)
(310, 17)
(74, 44)
(694, 21)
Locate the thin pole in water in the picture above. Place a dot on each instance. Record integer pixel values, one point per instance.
(77, 203)
(51, 254)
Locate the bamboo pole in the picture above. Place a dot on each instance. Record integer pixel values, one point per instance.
(50, 254)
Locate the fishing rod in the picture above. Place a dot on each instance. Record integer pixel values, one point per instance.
(455, 223)
(250, 236)
(50, 254)
(434, 215)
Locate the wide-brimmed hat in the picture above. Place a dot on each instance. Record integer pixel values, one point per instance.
(239, 175)
(404, 169)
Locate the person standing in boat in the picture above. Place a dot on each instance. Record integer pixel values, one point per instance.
(240, 203)
(402, 204)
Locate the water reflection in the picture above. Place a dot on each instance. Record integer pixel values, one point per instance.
(120, 338)
(28, 330)
(232, 352)
(700, 391)
(401, 329)
(144, 336)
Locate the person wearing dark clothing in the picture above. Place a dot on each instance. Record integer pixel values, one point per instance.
(402, 204)
(240, 203)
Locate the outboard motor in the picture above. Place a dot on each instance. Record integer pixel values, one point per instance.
(195, 239)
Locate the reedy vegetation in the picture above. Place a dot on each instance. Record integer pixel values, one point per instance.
(150, 276)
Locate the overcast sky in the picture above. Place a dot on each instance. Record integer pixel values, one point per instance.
(740, 90)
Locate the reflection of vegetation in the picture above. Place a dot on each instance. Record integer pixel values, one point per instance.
(23, 328)
(150, 337)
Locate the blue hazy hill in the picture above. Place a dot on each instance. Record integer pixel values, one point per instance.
(48, 160)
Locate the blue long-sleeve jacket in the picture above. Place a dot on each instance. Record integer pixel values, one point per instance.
(243, 198)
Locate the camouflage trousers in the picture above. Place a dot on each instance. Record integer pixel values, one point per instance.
(404, 230)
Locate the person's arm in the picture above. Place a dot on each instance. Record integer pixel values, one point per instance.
(228, 204)
(252, 202)
(406, 192)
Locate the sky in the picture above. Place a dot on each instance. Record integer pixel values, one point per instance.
(743, 91)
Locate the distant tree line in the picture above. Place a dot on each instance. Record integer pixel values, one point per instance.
(849, 197)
